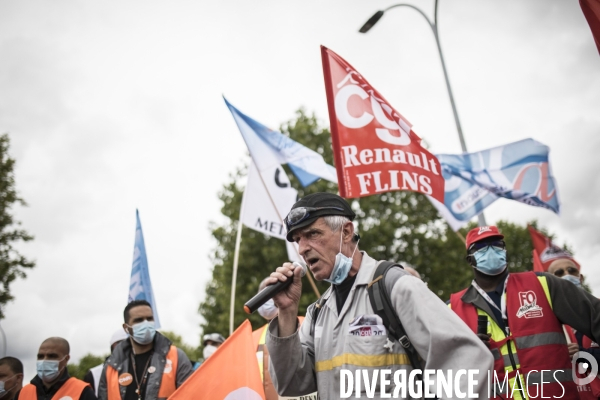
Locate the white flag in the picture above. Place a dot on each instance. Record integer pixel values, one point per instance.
(258, 212)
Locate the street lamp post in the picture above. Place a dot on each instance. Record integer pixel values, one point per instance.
(433, 25)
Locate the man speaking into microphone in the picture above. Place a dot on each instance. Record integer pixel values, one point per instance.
(343, 336)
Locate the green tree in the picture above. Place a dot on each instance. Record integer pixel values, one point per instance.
(12, 263)
(192, 352)
(85, 363)
(400, 226)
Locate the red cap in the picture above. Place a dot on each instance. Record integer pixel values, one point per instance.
(482, 232)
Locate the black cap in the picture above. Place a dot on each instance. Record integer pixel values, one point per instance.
(328, 204)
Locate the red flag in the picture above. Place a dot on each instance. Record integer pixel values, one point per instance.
(546, 251)
(231, 373)
(537, 263)
(374, 147)
(591, 10)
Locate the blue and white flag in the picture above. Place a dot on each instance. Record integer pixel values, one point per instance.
(518, 171)
(140, 287)
(270, 149)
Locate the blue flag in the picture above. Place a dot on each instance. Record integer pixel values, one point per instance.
(270, 148)
(140, 287)
(518, 171)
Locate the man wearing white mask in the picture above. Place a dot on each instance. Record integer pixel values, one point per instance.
(211, 342)
(11, 378)
(53, 380)
(147, 366)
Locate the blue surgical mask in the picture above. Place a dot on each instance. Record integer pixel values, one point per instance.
(143, 332)
(268, 310)
(48, 370)
(342, 265)
(573, 279)
(490, 260)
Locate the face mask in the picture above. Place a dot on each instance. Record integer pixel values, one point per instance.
(208, 350)
(143, 333)
(268, 310)
(573, 279)
(4, 391)
(490, 260)
(48, 370)
(342, 265)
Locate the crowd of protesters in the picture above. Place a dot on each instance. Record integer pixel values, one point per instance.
(514, 324)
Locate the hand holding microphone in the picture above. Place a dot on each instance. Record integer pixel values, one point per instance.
(285, 271)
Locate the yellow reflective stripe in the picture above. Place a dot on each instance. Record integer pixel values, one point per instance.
(263, 335)
(361, 360)
(544, 283)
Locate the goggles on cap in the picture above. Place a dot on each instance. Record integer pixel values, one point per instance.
(300, 214)
(500, 245)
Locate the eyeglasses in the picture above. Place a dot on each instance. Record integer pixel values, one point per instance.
(300, 214)
(475, 247)
(570, 270)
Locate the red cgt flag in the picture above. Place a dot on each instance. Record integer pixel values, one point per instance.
(537, 263)
(544, 252)
(231, 373)
(374, 147)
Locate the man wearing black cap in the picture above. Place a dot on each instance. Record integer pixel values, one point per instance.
(347, 336)
(522, 315)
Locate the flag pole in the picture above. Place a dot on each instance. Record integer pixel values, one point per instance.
(310, 278)
(236, 256)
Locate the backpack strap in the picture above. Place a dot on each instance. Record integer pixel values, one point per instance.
(382, 305)
(315, 314)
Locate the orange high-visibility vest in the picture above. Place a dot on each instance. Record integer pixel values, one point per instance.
(168, 382)
(73, 388)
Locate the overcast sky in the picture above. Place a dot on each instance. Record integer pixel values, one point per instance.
(116, 105)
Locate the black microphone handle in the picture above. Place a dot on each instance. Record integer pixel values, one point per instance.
(266, 294)
(482, 323)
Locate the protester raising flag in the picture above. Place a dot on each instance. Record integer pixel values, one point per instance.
(231, 373)
(547, 252)
(374, 147)
(518, 171)
(140, 287)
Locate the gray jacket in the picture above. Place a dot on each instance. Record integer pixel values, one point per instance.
(302, 364)
(121, 358)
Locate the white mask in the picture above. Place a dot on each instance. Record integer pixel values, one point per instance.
(342, 265)
(208, 351)
(268, 310)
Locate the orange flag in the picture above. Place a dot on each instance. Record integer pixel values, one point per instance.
(231, 373)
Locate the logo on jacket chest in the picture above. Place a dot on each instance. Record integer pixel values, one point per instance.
(529, 307)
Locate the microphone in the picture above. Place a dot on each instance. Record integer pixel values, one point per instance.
(482, 323)
(267, 293)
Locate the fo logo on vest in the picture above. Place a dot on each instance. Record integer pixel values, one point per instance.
(529, 307)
